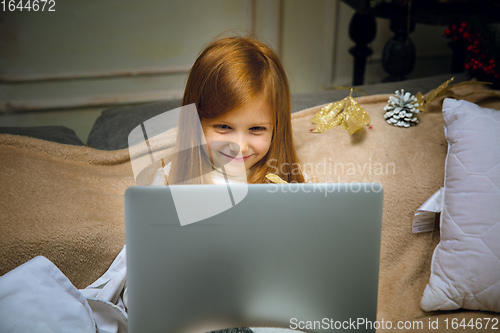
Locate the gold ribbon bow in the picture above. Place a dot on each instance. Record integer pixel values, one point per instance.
(275, 178)
(446, 90)
(347, 113)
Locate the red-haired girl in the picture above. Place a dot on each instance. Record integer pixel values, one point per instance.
(243, 103)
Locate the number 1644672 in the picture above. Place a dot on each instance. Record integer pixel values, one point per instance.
(28, 5)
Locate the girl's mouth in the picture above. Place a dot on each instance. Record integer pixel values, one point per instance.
(236, 159)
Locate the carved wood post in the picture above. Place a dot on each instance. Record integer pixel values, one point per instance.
(398, 57)
(362, 30)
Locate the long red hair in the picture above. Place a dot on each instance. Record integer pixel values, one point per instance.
(229, 73)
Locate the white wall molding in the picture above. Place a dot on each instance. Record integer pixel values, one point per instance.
(67, 94)
(65, 102)
(25, 78)
(124, 58)
(112, 52)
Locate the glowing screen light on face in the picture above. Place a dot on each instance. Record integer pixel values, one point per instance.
(153, 143)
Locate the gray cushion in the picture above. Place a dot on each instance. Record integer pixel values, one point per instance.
(111, 129)
(58, 134)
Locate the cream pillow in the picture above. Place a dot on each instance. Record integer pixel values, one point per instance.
(465, 271)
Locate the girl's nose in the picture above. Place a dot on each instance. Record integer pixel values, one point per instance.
(240, 145)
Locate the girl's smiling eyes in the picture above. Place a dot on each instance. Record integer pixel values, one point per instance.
(258, 129)
(222, 128)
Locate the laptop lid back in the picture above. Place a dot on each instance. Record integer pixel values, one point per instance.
(300, 256)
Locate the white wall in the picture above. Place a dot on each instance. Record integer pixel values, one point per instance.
(100, 52)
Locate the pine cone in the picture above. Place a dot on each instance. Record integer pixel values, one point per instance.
(402, 110)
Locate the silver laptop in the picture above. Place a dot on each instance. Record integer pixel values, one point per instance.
(296, 256)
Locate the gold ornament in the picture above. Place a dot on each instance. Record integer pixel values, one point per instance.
(347, 113)
(446, 90)
(275, 179)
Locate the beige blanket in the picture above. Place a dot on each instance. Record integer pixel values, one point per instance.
(66, 202)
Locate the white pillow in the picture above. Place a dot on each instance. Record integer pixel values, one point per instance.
(37, 297)
(465, 271)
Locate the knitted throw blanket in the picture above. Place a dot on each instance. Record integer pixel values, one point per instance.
(66, 202)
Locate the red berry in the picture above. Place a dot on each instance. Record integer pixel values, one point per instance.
(463, 25)
(467, 66)
(497, 76)
(466, 35)
(453, 27)
(455, 38)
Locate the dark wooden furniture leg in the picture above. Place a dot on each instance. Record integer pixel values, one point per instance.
(362, 30)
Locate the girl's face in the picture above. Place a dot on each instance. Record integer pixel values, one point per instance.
(239, 139)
